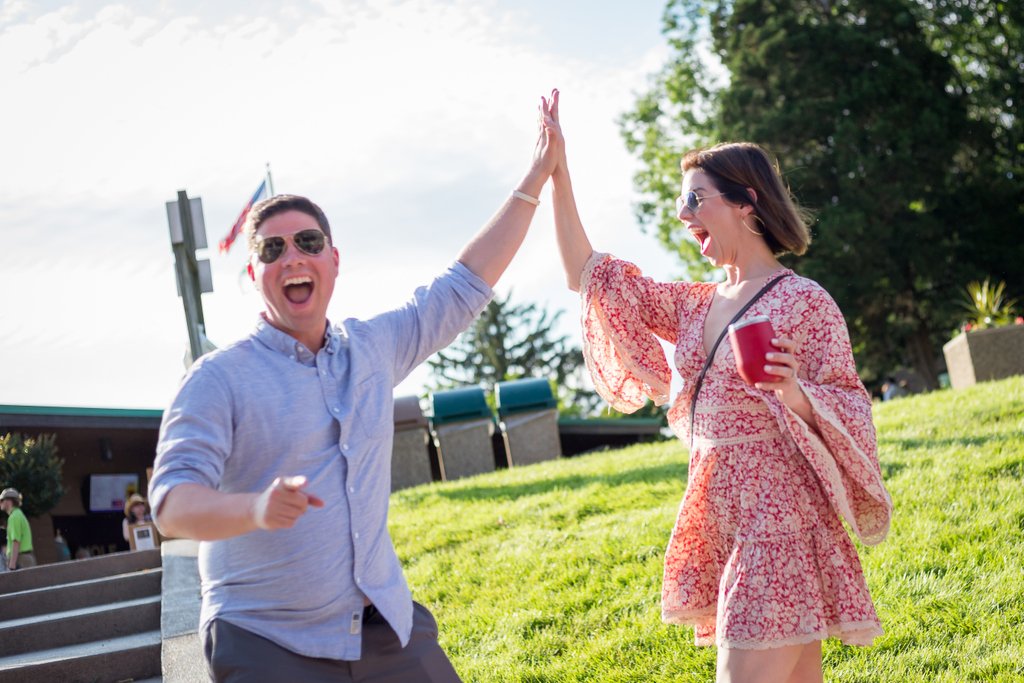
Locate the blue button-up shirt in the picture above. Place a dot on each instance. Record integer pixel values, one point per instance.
(266, 407)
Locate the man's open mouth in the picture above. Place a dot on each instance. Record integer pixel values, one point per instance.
(298, 289)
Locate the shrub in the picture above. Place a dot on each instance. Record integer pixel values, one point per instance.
(31, 465)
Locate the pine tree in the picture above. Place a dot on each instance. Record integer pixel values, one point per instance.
(514, 341)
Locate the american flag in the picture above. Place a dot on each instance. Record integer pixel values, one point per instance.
(260, 193)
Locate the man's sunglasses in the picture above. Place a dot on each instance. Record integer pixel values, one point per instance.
(310, 241)
(692, 202)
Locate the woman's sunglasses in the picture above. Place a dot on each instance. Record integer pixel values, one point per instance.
(692, 202)
(310, 241)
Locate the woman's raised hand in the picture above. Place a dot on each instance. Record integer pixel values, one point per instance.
(573, 243)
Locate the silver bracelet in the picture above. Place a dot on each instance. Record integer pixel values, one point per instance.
(525, 197)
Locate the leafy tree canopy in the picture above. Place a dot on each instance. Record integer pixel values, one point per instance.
(887, 118)
(31, 466)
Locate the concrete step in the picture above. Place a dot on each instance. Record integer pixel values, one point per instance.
(104, 590)
(114, 660)
(83, 625)
(78, 570)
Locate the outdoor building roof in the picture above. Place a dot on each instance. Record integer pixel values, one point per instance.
(67, 416)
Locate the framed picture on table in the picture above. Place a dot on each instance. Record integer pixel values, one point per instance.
(143, 536)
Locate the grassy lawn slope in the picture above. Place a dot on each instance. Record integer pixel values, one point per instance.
(553, 572)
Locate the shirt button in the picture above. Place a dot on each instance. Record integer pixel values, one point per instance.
(355, 535)
(323, 373)
(336, 409)
(351, 489)
(359, 581)
(345, 446)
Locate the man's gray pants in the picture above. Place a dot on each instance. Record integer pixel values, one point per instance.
(234, 655)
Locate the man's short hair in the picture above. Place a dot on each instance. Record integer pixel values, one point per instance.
(263, 210)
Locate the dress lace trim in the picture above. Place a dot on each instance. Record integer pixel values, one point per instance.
(861, 634)
(704, 443)
(758, 407)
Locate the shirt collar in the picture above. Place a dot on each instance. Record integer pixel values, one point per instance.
(287, 345)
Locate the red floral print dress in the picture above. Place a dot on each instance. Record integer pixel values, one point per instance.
(758, 557)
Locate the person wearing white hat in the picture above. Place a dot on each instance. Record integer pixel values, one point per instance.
(19, 536)
(136, 511)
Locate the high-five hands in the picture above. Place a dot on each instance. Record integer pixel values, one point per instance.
(551, 129)
(282, 503)
(549, 150)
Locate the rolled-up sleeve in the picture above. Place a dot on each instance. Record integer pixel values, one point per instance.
(195, 442)
(431, 319)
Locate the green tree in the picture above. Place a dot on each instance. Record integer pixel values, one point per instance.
(32, 467)
(875, 131)
(513, 341)
(984, 41)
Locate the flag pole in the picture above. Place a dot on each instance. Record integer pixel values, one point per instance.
(270, 182)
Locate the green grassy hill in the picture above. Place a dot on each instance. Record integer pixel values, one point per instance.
(553, 572)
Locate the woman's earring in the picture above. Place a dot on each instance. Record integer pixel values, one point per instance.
(758, 233)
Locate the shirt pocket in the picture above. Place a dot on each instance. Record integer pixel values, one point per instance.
(374, 408)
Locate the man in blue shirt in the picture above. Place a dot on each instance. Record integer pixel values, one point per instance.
(275, 453)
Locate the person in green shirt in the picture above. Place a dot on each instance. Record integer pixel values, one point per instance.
(19, 536)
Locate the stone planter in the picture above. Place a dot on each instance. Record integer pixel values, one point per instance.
(985, 355)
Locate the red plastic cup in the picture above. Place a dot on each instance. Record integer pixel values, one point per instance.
(751, 341)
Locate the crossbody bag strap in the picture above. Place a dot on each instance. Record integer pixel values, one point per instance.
(714, 349)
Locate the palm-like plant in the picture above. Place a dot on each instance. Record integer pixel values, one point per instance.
(988, 305)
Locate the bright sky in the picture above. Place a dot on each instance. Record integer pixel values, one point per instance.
(407, 121)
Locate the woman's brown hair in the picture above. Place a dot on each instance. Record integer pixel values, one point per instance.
(735, 166)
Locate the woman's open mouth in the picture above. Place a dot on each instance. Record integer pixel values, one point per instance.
(703, 238)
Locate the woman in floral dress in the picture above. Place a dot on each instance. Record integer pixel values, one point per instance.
(759, 562)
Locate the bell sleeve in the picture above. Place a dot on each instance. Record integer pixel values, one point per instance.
(622, 314)
(843, 451)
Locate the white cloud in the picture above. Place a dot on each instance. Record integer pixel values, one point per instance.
(408, 121)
